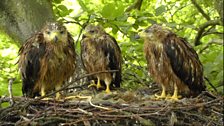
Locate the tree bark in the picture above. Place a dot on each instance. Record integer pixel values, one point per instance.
(21, 18)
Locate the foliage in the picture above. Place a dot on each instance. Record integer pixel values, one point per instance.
(8, 69)
(213, 64)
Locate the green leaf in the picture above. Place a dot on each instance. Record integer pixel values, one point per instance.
(135, 26)
(112, 11)
(119, 10)
(220, 76)
(108, 11)
(160, 10)
(83, 6)
(114, 30)
(62, 8)
(151, 21)
(57, 1)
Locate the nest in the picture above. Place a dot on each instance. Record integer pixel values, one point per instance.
(119, 108)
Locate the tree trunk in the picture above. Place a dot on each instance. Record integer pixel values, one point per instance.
(21, 18)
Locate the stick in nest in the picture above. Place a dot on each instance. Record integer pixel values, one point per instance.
(89, 98)
(11, 80)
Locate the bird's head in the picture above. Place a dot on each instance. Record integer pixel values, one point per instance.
(154, 32)
(92, 31)
(55, 32)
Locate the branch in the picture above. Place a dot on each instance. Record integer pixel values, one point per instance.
(137, 5)
(200, 10)
(202, 29)
(74, 22)
(82, 27)
(213, 41)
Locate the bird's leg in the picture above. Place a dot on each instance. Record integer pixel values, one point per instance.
(92, 84)
(107, 82)
(98, 86)
(58, 95)
(163, 94)
(43, 93)
(175, 94)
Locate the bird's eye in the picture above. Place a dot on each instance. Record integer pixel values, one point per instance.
(48, 32)
(91, 31)
(62, 32)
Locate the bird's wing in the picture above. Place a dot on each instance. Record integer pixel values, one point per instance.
(83, 51)
(112, 50)
(184, 61)
(29, 62)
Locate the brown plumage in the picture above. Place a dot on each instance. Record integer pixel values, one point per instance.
(46, 60)
(100, 52)
(172, 62)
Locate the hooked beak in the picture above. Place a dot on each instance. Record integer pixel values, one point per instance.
(85, 35)
(55, 39)
(141, 34)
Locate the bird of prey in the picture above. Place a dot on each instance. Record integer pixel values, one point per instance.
(172, 62)
(46, 59)
(100, 52)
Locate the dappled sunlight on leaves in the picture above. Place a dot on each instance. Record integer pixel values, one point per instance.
(8, 67)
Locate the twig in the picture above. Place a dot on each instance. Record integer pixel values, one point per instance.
(137, 5)
(89, 98)
(85, 112)
(11, 80)
(210, 84)
(200, 10)
(81, 30)
(213, 41)
(75, 22)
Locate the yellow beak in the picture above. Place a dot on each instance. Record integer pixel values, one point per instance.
(54, 36)
(142, 34)
(87, 35)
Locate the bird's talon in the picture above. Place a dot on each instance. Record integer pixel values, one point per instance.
(160, 96)
(108, 91)
(98, 86)
(58, 98)
(174, 98)
(92, 85)
(47, 99)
